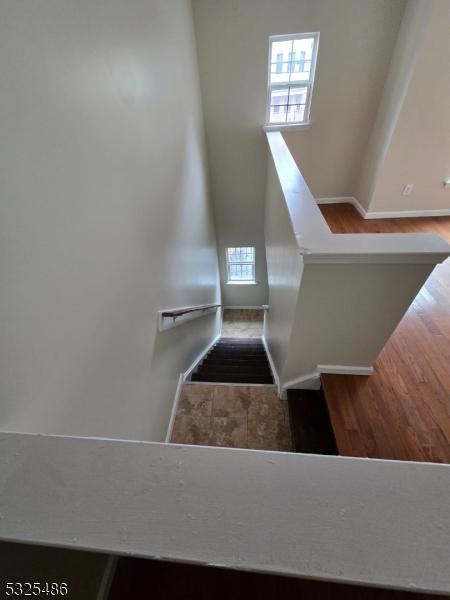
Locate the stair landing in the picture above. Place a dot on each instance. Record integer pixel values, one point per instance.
(232, 416)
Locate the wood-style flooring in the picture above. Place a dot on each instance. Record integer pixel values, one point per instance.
(402, 411)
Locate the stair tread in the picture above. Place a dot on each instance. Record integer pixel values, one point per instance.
(243, 380)
(236, 363)
(238, 371)
(240, 352)
(235, 360)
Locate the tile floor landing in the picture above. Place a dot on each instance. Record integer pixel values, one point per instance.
(233, 416)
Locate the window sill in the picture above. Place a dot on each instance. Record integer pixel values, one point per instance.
(242, 283)
(286, 127)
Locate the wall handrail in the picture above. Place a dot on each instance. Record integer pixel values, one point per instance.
(184, 311)
(171, 317)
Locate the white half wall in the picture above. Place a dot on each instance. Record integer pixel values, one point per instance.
(336, 298)
(349, 520)
(284, 268)
(104, 214)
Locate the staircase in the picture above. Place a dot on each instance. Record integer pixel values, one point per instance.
(235, 360)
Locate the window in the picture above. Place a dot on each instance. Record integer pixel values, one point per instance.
(292, 63)
(279, 65)
(241, 265)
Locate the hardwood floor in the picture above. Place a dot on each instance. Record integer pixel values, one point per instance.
(402, 411)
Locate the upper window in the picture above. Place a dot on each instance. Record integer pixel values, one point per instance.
(241, 265)
(292, 63)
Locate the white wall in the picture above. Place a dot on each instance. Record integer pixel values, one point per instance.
(401, 70)
(418, 150)
(104, 214)
(356, 42)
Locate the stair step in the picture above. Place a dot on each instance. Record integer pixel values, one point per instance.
(239, 350)
(220, 370)
(239, 344)
(242, 340)
(239, 362)
(224, 353)
(232, 379)
(310, 422)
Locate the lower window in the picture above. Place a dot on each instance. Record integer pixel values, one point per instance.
(241, 265)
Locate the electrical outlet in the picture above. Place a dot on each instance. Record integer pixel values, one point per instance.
(407, 189)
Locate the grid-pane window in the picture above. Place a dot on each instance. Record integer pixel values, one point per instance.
(292, 61)
(241, 264)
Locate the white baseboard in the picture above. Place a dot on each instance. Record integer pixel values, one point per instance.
(244, 307)
(398, 214)
(344, 199)
(227, 383)
(200, 357)
(389, 214)
(344, 370)
(271, 363)
(336, 200)
(176, 401)
(181, 380)
(311, 381)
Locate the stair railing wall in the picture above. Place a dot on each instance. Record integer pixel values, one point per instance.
(335, 299)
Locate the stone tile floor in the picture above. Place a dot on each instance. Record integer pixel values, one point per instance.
(236, 416)
(246, 323)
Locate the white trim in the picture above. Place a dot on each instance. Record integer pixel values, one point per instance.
(345, 370)
(214, 383)
(108, 576)
(200, 357)
(344, 200)
(398, 214)
(260, 307)
(176, 401)
(287, 126)
(242, 282)
(182, 380)
(311, 381)
(388, 214)
(271, 363)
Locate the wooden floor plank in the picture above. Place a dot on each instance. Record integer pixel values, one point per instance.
(402, 411)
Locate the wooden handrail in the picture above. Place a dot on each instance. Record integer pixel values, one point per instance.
(183, 311)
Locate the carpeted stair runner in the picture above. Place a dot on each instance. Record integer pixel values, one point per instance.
(235, 360)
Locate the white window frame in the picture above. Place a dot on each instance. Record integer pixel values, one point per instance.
(308, 84)
(241, 262)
